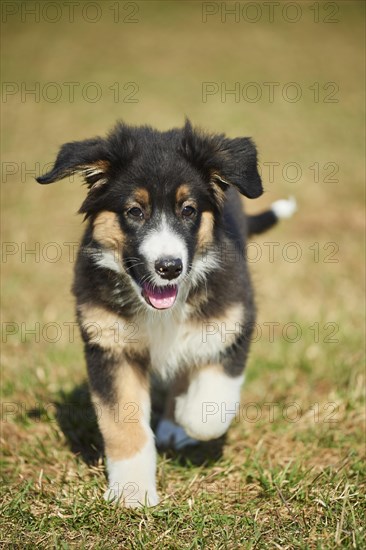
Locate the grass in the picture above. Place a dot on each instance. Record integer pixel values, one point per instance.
(291, 471)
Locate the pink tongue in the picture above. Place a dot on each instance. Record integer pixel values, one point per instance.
(160, 298)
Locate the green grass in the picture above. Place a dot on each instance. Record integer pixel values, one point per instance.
(272, 482)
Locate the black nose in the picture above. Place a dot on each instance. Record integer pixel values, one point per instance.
(169, 268)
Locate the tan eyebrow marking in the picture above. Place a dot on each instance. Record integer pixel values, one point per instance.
(183, 193)
(141, 195)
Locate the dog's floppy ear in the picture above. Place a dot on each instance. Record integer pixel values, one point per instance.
(224, 161)
(89, 157)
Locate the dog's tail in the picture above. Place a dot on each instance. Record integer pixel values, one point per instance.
(259, 223)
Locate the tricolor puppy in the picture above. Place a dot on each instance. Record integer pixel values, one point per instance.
(162, 287)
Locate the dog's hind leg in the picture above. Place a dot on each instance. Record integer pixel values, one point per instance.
(210, 404)
(168, 433)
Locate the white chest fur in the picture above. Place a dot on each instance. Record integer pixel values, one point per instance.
(173, 339)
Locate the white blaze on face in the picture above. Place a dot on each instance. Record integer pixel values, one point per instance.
(161, 243)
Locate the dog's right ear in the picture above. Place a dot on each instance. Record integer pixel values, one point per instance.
(88, 157)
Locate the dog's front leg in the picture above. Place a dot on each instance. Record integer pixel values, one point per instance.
(210, 403)
(120, 391)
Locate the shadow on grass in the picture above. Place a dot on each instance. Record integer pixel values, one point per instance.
(205, 453)
(77, 419)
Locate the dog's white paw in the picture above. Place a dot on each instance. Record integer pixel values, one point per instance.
(170, 435)
(211, 403)
(132, 481)
(131, 495)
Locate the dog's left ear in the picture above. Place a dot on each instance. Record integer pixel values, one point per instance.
(224, 161)
(88, 157)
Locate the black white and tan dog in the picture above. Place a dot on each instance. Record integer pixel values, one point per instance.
(162, 287)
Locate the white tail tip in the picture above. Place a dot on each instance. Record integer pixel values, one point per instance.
(284, 208)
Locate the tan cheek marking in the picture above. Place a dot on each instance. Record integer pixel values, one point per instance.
(183, 193)
(205, 232)
(107, 230)
(121, 424)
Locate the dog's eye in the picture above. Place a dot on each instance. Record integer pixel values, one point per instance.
(188, 211)
(136, 213)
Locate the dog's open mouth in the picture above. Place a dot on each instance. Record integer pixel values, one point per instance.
(160, 297)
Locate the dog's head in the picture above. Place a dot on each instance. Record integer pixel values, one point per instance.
(155, 200)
